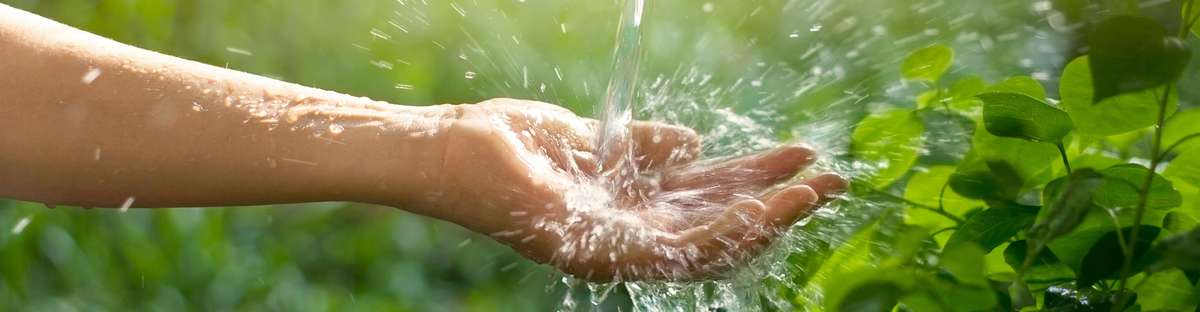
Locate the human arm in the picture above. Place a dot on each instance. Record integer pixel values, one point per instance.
(89, 121)
(92, 122)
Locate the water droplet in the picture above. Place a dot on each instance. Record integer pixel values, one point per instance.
(469, 75)
(91, 75)
(816, 27)
(128, 203)
(20, 226)
(96, 154)
(336, 128)
(197, 107)
(756, 83)
(402, 86)
(238, 51)
(707, 7)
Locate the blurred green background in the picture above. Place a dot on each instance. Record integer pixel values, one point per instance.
(808, 60)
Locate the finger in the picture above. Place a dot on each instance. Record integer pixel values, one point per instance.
(712, 246)
(747, 174)
(659, 145)
(828, 186)
(789, 205)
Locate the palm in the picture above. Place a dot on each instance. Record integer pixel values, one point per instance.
(653, 214)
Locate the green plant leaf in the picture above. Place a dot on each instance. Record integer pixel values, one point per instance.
(1177, 222)
(1133, 53)
(1192, 15)
(1180, 125)
(928, 63)
(1033, 162)
(1104, 258)
(1016, 115)
(962, 94)
(1123, 182)
(1022, 85)
(965, 262)
(1185, 168)
(926, 188)
(948, 136)
(872, 296)
(892, 140)
(1069, 199)
(1168, 290)
(1046, 268)
(987, 180)
(993, 226)
(1181, 251)
(1115, 115)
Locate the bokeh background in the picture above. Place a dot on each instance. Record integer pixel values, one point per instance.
(780, 63)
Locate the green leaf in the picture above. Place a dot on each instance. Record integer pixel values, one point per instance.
(1185, 168)
(1046, 268)
(1132, 53)
(1069, 199)
(1123, 182)
(1180, 125)
(1021, 85)
(1165, 291)
(927, 64)
(871, 296)
(947, 136)
(1015, 115)
(1033, 162)
(891, 141)
(1114, 115)
(1182, 251)
(1192, 15)
(965, 263)
(993, 226)
(987, 180)
(962, 93)
(926, 188)
(1177, 222)
(1104, 258)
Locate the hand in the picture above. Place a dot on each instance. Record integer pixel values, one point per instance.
(527, 173)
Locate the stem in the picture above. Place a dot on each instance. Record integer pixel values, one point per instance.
(1063, 151)
(920, 205)
(1178, 143)
(1188, 21)
(1144, 195)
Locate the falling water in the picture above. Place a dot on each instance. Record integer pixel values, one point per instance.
(617, 110)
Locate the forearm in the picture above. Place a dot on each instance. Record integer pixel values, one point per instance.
(88, 121)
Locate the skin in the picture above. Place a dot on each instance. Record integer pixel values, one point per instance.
(92, 122)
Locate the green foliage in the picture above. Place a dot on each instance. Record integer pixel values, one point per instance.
(1181, 251)
(891, 140)
(1017, 115)
(1131, 53)
(1103, 260)
(928, 64)
(993, 226)
(1070, 200)
(1021, 85)
(1122, 185)
(1070, 253)
(1117, 114)
(1044, 270)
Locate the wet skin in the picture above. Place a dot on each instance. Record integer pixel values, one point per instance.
(93, 122)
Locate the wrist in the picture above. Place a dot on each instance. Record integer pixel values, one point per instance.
(397, 154)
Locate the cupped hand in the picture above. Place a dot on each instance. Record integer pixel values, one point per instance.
(529, 175)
